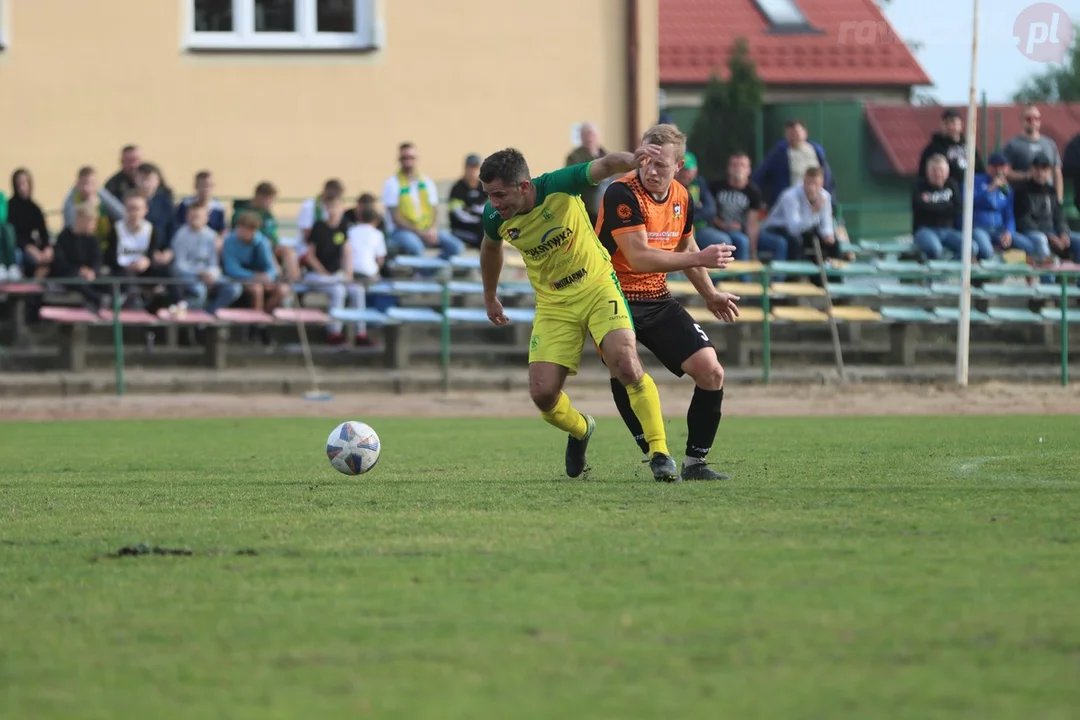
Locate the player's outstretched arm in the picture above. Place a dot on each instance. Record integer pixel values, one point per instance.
(491, 264)
(645, 258)
(621, 162)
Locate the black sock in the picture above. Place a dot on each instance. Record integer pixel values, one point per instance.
(622, 402)
(702, 421)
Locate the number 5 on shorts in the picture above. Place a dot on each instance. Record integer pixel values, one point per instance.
(702, 333)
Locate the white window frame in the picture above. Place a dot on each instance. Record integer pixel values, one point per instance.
(3, 26)
(783, 13)
(244, 37)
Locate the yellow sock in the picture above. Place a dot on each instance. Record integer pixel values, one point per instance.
(566, 418)
(645, 400)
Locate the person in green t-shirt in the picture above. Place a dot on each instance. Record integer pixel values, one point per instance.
(262, 205)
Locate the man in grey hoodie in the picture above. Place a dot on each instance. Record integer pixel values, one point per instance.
(196, 263)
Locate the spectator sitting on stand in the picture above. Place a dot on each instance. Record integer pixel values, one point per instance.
(786, 164)
(994, 221)
(314, 209)
(262, 204)
(935, 208)
(247, 259)
(467, 200)
(28, 221)
(801, 213)
(110, 208)
(330, 266)
(126, 178)
(951, 144)
(196, 264)
(161, 210)
(368, 246)
(78, 255)
(135, 251)
(1039, 213)
(704, 204)
(204, 195)
(412, 201)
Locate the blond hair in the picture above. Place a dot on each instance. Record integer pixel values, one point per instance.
(937, 159)
(666, 134)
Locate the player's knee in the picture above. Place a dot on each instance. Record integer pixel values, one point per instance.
(711, 377)
(543, 396)
(627, 367)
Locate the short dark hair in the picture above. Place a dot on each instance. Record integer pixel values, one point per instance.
(128, 148)
(366, 199)
(738, 154)
(202, 175)
(795, 122)
(149, 169)
(814, 172)
(85, 170)
(265, 189)
(507, 165)
(405, 146)
(367, 215)
(249, 219)
(332, 189)
(134, 193)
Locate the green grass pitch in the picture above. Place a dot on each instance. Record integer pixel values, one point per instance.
(855, 568)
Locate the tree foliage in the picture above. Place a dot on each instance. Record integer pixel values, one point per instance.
(729, 110)
(1058, 83)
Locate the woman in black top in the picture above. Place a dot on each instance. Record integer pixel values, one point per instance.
(31, 232)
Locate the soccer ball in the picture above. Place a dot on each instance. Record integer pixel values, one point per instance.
(353, 448)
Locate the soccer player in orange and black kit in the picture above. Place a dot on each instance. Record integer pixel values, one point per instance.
(646, 222)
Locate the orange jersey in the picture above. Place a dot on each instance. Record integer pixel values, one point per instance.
(628, 207)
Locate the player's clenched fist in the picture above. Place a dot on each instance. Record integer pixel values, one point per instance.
(495, 312)
(715, 256)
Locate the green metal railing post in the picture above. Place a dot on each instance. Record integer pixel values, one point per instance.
(766, 343)
(444, 354)
(118, 340)
(1065, 279)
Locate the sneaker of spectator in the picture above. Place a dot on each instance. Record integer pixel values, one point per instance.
(262, 204)
(1039, 213)
(412, 201)
(329, 264)
(951, 143)
(994, 221)
(86, 189)
(247, 259)
(196, 264)
(127, 177)
(935, 210)
(204, 195)
(31, 232)
(78, 255)
(467, 201)
(161, 210)
(314, 209)
(786, 164)
(368, 247)
(136, 250)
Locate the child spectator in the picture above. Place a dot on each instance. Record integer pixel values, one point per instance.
(246, 257)
(78, 254)
(28, 221)
(196, 264)
(134, 249)
(368, 247)
(330, 262)
(994, 221)
(204, 195)
(262, 205)
(110, 208)
(1039, 212)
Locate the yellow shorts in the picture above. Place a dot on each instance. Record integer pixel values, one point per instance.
(558, 331)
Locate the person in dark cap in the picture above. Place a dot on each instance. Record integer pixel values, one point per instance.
(994, 222)
(467, 200)
(1039, 214)
(950, 142)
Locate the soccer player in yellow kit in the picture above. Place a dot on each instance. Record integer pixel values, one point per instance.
(576, 290)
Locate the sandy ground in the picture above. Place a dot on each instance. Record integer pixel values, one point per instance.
(778, 400)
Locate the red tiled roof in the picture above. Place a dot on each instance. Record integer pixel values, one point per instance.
(696, 37)
(904, 130)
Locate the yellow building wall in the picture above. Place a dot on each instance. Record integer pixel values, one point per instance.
(81, 79)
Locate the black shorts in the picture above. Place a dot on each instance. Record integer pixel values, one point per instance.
(668, 331)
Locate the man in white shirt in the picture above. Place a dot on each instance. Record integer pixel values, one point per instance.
(412, 201)
(801, 212)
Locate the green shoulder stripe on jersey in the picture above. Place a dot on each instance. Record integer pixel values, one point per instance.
(572, 180)
(492, 222)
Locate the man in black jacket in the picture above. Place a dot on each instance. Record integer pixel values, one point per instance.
(935, 209)
(950, 142)
(1070, 166)
(1039, 214)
